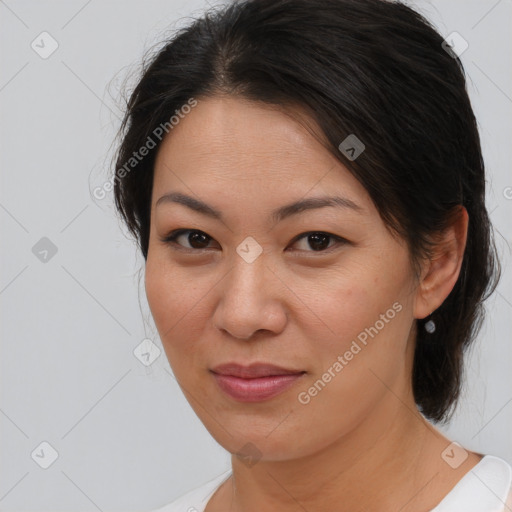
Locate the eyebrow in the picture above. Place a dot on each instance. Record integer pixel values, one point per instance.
(277, 215)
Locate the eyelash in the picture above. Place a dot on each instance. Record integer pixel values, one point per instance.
(170, 239)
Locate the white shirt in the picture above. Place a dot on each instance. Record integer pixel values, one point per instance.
(485, 488)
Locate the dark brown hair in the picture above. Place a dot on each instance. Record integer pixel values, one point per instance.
(373, 68)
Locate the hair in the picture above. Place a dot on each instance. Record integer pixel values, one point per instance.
(373, 68)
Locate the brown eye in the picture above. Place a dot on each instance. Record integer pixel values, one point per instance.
(319, 241)
(196, 239)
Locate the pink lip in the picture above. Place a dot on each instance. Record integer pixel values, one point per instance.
(256, 382)
(255, 390)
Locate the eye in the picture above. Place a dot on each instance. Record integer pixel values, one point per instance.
(198, 240)
(319, 240)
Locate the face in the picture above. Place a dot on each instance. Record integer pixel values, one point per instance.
(324, 291)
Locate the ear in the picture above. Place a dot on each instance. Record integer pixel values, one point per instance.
(440, 272)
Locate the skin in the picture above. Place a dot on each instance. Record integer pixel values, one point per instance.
(296, 307)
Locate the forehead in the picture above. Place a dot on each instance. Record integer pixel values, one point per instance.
(235, 146)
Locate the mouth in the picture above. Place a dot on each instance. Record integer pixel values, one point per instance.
(254, 383)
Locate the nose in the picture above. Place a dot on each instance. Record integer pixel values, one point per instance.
(251, 299)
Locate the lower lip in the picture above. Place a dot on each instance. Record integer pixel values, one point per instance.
(255, 390)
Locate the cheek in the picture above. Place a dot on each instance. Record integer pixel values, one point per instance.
(179, 307)
(347, 303)
(365, 317)
(169, 299)
(161, 296)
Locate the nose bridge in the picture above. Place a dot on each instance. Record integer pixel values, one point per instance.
(249, 301)
(245, 284)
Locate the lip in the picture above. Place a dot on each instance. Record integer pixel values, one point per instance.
(253, 370)
(256, 382)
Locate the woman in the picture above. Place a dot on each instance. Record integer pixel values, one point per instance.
(306, 184)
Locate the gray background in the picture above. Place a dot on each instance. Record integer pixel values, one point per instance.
(126, 437)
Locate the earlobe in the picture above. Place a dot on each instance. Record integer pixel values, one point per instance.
(441, 272)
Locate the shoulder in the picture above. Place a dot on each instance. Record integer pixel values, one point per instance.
(485, 488)
(196, 499)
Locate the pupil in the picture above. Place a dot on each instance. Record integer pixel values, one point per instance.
(196, 238)
(315, 238)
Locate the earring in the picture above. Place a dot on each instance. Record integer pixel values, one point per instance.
(430, 326)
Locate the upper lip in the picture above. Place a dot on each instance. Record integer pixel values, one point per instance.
(253, 370)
